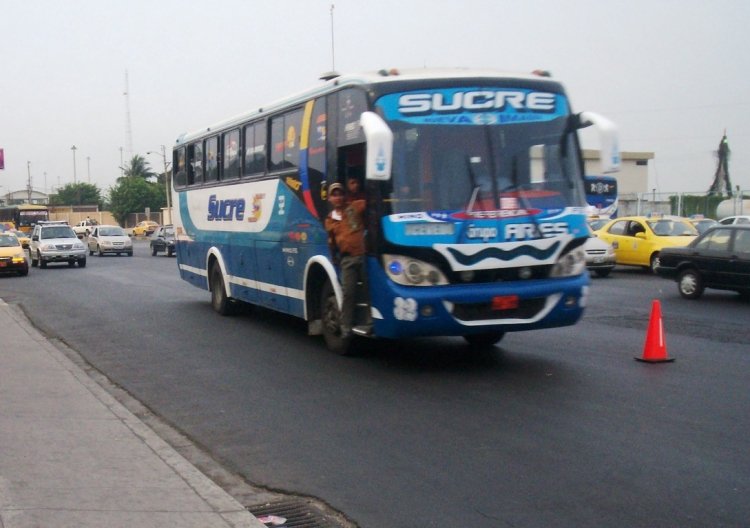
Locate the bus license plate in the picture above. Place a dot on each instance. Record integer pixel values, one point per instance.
(505, 302)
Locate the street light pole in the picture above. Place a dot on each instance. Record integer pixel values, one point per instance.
(75, 179)
(166, 178)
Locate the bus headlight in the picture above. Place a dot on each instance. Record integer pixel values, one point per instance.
(412, 272)
(570, 264)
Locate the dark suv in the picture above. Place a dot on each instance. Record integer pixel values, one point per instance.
(163, 240)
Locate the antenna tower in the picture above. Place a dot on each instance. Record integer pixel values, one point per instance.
(128, 128)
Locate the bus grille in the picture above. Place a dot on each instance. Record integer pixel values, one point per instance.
(527, 308)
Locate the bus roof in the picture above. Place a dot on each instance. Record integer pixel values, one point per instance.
(335, 81)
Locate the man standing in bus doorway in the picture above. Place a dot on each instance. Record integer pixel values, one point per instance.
(346, 240)
(354, 186)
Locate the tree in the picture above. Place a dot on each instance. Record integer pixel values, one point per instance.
(138, 168)
(134, 194)
(77, 194)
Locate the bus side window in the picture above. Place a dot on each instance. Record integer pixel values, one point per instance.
(255, 149)
(230, 168)
(178, 162)
(212, 159)
(195, 164)
(285, 136)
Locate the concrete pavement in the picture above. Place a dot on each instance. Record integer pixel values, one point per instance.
(72, 456)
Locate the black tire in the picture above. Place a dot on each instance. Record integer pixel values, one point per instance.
(331, 317)
(99, 250)
(690, 284)
(130, 253)
(220, 301)
(170, 252)
(153, 251)
(82, 263)
(91, 252)
(602, 272)
(654, 263)
(485, 340)
(34, 262)
(42, 263)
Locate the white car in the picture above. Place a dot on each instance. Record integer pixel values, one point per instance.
(733, 220)
(600, 256)
(109, 239)
(56, 242)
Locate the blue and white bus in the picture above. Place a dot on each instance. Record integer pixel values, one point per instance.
(601, 195)
(476, 211)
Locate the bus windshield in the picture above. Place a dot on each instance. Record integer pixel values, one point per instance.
(485, 167)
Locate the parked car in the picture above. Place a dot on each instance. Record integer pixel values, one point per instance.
(600, 256)
(109, 239)
(638, 240)
(739, 219)
(12, 255)
(146, 227)
(719, 259)
(163, 240)
(702, 224)
(56, 242)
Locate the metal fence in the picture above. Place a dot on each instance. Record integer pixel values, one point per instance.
(684, 204)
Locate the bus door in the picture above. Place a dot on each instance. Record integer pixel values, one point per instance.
(270, 266)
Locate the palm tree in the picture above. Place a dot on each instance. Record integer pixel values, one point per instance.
(138, 168)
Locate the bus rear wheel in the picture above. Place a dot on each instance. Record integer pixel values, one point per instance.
(220, 301)
(331, 317)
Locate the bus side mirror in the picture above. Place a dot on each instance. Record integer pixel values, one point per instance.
(379, 146)
(608, 137)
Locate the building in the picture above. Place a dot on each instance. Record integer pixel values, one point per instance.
(22, 197)
(633, 176)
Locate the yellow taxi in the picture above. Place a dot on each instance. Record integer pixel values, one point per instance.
(146, 227)
(22, 237)
(12, 256)
(637, 240)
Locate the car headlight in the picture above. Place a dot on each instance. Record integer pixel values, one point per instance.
(48, 247)
(412, 272)
(79, 245)
(18, 259)
(570, 264)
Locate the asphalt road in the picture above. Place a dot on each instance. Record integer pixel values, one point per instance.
(551, 428)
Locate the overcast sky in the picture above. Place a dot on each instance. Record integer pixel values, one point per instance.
(672, 74)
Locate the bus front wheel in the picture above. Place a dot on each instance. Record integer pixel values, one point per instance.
(331, 316)
(220, 302)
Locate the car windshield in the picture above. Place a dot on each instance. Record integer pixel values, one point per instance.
(111, 231)
(57, 232)
(671, 228)
(8, 240)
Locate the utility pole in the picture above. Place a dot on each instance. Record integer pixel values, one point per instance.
(28, 184)
(75, 178)
(128, 128)
(333, 56)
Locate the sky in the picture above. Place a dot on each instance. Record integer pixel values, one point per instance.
(672, 74)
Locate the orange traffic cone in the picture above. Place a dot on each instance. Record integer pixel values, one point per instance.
(655, 348)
